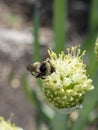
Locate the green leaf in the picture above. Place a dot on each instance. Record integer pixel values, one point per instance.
(36, 45)
(27, 89)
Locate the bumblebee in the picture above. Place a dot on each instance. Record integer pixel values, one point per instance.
(41, 70)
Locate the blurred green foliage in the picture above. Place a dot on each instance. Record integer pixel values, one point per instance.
(54, 120)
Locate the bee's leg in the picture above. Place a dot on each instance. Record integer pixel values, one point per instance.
(38, 76)
(52, 69)
(43, 77)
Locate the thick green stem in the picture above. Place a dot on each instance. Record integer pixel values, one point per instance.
(59, 24)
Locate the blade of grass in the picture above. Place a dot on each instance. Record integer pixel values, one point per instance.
(89, 43)
(93, 26)
(94, 15)
(89, 46)
(59, 24)
(28, 90)
(36, 45)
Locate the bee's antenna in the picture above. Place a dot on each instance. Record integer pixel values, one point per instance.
(50, 49)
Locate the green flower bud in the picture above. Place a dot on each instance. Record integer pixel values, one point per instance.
(66, 87)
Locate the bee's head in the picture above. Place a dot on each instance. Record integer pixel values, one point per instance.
(34, 69)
